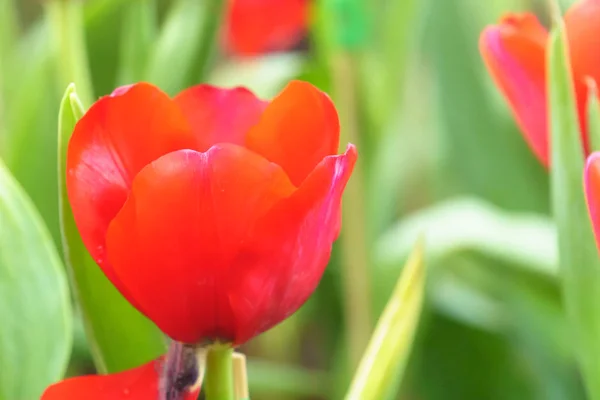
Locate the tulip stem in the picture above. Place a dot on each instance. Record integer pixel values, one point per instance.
(218, 382)
(355, 256)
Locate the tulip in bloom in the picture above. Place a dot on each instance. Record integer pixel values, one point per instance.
(213, 212)
(259, 26)
(514, 52)
(205, 208)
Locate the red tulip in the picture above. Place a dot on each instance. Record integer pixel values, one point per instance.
(514, 53)
(141, 383)
(592, 191)
(258, 26)
(213, 212)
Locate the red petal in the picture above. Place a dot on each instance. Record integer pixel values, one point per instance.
(592, 191)
(176, 236)
(514, 53)
(258, 26)
(297, 130)
(140, 383)
(583, 30)
(220, 115)
(118, 136)
(282, 262)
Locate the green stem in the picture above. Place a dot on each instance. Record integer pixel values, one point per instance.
(213, 17)
(355, 259)
(218, 382)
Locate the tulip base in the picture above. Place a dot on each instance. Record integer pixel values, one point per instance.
(218, 382)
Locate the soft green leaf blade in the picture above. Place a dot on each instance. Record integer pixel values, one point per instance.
(383, 362)
(26, 140)
(119, 336)
(578, 255)
(35, 307)
(523, 239)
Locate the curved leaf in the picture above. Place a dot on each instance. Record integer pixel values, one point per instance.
(384, 360)
(35, 308)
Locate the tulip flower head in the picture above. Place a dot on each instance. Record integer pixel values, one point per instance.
(213, 213)
(259, 26)
(514, 51)
(204, 208)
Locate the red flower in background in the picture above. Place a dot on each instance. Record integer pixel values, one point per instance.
(259, 26)
(592, 191)
(213, 212)
(514, 53)
(141, 383)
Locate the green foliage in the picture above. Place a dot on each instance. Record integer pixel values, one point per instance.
(579, 262)
(35, 308)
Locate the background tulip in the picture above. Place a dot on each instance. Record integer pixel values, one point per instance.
(514, 52)
(255, 27)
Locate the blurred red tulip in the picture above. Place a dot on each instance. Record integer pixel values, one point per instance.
(592, 191)
(141, 383)
(214, 212)
(514, 53)
(259, 26)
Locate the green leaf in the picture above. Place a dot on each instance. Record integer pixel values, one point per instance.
(578, 255)
(119, 336)
(384, 360)
(35, 308)
(469, 224)
(26, 140)
(593, 115)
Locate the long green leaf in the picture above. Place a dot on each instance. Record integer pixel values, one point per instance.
(35, 308)
(384, 360)
(27, 147)
(119, 336)
(470, 224)
(578, 255)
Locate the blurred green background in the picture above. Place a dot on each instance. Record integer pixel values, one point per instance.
(440, 156)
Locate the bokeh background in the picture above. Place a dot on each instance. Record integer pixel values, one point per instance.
(440, 157)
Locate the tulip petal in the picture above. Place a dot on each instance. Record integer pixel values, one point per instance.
(119, 135)
(514, 53)
(178, 232)
(582, 23)
(297, 130)
(220, 115)
(255, 27)
(287, 252)
(592, 191)
(140, 383)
